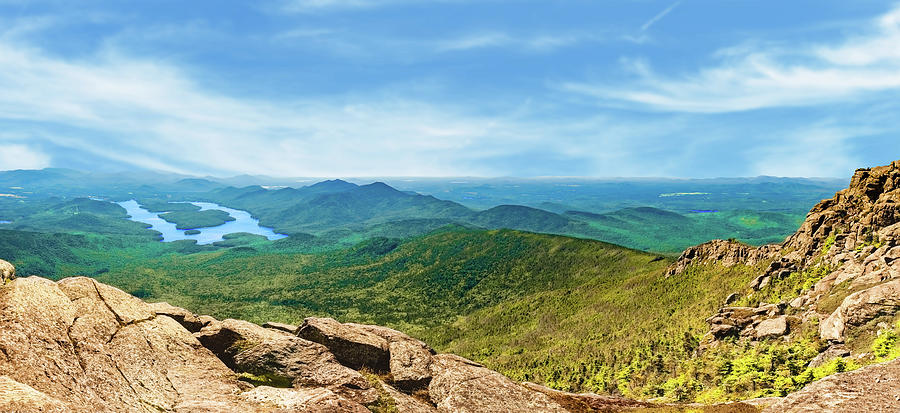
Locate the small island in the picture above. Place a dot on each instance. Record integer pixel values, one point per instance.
(197, 219)
(192, 232)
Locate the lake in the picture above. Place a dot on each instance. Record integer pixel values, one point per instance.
(243, 222)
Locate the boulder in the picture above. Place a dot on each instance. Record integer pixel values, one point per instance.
(771, 328)
(7, 272)
(93, 347)
(249, 348)
(860, 307)
(460, 385)
(869, 389)
(187, 319)
(354, 347)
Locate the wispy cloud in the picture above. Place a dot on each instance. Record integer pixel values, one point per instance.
(753, 77)
(151, 115)
(659, 16)
(539, 42)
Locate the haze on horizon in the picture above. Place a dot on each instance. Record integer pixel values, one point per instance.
(393, 88)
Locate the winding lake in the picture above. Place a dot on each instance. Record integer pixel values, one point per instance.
(243, 222)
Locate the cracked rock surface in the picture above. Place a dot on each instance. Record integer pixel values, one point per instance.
(92, 347)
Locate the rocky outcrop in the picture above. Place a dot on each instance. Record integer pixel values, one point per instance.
(853, 215)
(248, 348)
(860, 307)
(460, 385)
(90, 347)
(727, 253)
(765, 321)
(7, 272)
(870, 389)
(353, 346)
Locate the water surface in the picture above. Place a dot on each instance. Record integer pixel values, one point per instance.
(243, 222)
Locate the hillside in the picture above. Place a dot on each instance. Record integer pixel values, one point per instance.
(825, 301)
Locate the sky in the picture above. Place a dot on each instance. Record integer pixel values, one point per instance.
(355, 88)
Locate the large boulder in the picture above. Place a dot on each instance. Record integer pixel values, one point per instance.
(281, 358)
(459, 385)
(869, 389)
(92, 347)
(7, 272)
(860, 307)
(353, 346)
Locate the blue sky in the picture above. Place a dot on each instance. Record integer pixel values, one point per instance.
(689, 88)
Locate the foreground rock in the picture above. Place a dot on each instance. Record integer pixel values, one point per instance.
(874, 388)
(90, 347)
(460, 385)
(282, 359)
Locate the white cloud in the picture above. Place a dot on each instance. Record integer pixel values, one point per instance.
(151, 115)
(748, 78)
(19, 156)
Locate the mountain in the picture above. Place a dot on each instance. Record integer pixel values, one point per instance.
(654, 229)
(332, 206)
(829, 293)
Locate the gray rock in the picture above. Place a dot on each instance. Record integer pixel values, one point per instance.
(771, 328)
(860, 307)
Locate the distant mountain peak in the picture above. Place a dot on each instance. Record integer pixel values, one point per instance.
(379, 187)
(333, 184)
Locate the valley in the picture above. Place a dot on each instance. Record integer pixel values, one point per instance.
(525, 291)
